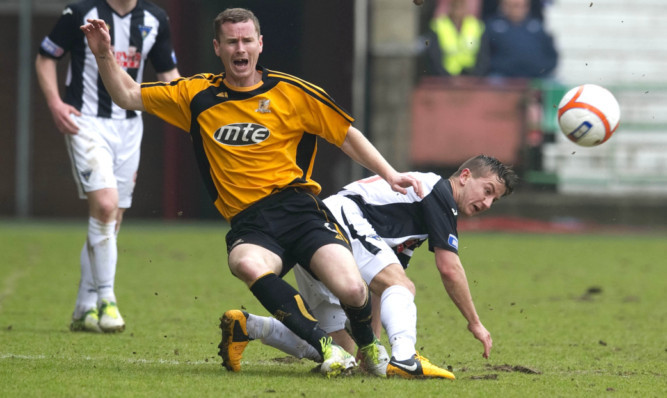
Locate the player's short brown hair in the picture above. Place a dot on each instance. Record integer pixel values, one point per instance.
(483, 165)
(234, 15)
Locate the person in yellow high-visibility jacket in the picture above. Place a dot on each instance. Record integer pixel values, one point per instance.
(456, 38)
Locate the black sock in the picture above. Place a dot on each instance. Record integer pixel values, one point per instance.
(360, 322)
(287, 305)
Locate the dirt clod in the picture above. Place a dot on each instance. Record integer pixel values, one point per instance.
(514, 368)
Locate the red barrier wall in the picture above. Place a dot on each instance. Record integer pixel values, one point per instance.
(454, 119)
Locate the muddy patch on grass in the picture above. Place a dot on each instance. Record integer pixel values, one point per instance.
(590, 293)
(492, 376)
(504, 368)
(514, 368)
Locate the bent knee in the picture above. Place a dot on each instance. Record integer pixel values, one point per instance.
(404, 283)
(390, 277)
(248, 269)
(250, 263)
(104, 207)
(354, 294)
(409, 284)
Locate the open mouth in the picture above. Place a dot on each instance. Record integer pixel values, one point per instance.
(240, 62)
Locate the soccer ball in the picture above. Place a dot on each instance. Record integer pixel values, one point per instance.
(588, 115)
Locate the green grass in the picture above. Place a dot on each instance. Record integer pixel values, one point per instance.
(586, 313)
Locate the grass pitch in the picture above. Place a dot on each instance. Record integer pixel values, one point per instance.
(571, 315)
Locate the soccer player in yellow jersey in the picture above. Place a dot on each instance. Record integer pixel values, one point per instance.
(254, 134)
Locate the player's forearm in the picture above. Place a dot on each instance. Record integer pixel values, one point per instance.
(454, 280)
(359, 149)
(47, 78)
(124, 90)
(459, 291)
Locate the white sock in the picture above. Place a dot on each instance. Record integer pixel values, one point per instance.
(399, 318)
(103, 253)
(87, 296)
(257, 326)
(274, 333)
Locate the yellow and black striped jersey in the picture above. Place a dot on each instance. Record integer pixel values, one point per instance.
(250, 141)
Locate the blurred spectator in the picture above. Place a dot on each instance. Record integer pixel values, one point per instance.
(454, 39)
(515, 44)
(490, 8)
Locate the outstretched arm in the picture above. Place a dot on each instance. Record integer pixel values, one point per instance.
(124, 90)
(454, 279)
(357, 147)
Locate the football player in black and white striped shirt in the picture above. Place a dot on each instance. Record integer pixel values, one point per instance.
(384, 229)
(102, 139)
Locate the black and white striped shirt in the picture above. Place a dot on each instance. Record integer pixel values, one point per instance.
(142, 33)
(404, 222)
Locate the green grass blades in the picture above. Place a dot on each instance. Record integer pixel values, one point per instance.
(571, 315)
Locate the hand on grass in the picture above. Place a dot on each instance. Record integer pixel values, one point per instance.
(479, 331)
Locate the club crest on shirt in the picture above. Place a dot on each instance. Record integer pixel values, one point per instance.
(145, 30)
(263, 106)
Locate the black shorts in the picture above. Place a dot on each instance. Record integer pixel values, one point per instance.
(292, 223)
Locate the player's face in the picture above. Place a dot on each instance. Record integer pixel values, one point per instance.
(238, 46)
(478, 194)
(515, 10)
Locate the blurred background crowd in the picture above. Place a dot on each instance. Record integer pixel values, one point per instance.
(430, 85)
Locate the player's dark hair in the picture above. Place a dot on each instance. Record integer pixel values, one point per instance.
(483, 165)
(234, 15)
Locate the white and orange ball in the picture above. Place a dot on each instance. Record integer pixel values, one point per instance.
(588, 115)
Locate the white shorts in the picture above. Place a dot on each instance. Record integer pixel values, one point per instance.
(364, 241)
(105, 154)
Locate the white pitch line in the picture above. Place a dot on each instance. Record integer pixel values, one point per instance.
(10, 283)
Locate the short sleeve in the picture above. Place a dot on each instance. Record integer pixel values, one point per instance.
(440, 215)
(168, 101)
(65, 33)
(162, 54)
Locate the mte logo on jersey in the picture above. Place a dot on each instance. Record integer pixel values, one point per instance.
(130, 59)
(240, 134)
(453, 241)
